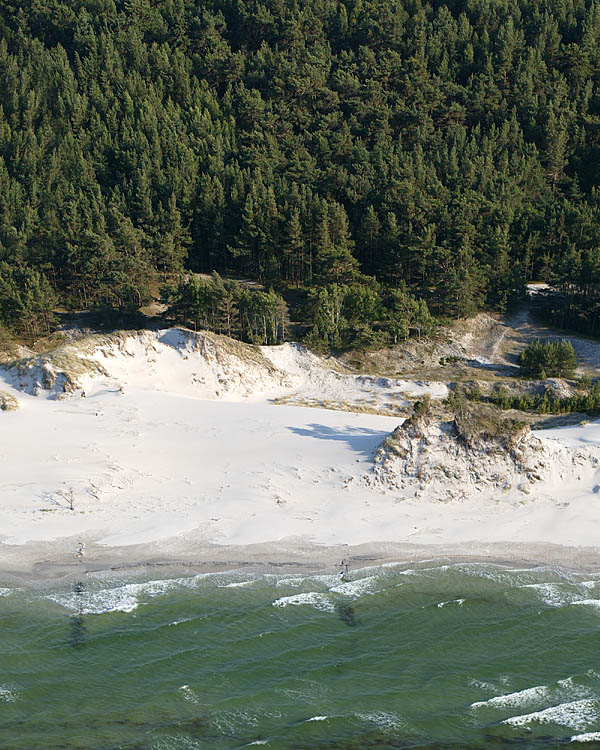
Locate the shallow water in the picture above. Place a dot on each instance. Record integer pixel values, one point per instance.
(428, 655)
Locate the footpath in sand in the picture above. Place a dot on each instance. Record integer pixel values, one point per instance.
(193, 446)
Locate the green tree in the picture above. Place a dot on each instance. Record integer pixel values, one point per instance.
(548, 359)
(27, 300)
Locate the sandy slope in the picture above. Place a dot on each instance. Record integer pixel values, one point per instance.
(147, 456)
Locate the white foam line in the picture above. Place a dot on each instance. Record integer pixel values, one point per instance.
(589, 602)
(575, 715)
(551, 594)
(125, 598)
(312, 598)
(518, 698)
(178, 622)
(236, 584)
(355, 588)
(382, 719)
(588, 737)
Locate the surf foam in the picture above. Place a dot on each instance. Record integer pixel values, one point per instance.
(312, 598)
(577, 715)
(8, 694)
(588, 737)
(516, 699)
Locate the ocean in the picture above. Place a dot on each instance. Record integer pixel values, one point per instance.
(435, 654)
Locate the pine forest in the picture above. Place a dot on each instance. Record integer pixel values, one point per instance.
(371, 165)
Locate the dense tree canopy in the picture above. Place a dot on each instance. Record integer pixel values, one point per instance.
(441, 152)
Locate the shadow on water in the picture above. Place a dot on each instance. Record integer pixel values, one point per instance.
(385, 742)
(347, 615)
(184, 729)
(77, 623)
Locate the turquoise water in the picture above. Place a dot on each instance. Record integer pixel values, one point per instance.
(427, 655)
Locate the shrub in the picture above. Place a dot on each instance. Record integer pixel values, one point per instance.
(422, 408)
(547, 403)
(548, 359)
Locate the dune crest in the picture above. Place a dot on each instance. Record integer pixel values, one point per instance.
(473, 452)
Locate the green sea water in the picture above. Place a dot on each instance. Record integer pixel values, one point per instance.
(429, 655)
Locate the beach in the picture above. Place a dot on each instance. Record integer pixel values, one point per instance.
(158, 463)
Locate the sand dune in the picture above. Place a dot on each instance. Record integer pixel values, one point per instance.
(178, 439)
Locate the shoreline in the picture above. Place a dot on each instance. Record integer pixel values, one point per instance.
(154, 468)
(37, 567)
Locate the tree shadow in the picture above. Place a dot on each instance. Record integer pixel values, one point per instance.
(360, 439)
(497, 367)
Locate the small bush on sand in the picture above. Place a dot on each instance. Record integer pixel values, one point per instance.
(8, 402)
(422, 408)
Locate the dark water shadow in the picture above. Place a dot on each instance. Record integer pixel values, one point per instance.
(347, 615)
(383, 741)
(78, 631)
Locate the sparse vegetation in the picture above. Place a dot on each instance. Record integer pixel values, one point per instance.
(476, 423)
(60, 369)
(389, 410)
(475, 420)
(585, 400)
(449, 360)
(8, 402)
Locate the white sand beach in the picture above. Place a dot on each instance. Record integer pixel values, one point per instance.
(178, 444)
